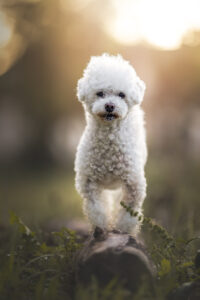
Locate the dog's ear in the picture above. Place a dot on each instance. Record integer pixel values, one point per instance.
(81, 89)
(138, 91)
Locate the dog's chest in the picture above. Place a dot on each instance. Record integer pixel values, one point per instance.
(110, 154)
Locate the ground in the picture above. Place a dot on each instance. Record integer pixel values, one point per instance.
(36, 264)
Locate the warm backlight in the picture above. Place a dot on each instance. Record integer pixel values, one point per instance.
(159, 22)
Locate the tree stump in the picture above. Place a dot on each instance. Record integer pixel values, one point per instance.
(108, 255)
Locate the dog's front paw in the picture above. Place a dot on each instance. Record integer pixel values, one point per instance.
(96, 215)
(128, 224)
(99, 233)
(98, 220)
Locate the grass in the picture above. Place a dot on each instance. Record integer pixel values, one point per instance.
(39, 197)
(38, 264)
(42, 266)
(33, 269)
(173, 257)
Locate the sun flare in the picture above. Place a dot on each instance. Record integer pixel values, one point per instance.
(160, 23)
(5, 30)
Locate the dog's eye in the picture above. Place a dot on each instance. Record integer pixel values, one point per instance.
(100, 94)
(121, 95)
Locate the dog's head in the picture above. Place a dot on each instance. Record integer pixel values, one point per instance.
(110, 87)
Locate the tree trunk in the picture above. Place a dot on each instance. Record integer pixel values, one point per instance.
(108, 255)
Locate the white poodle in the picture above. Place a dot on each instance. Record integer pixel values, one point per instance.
(112, 151)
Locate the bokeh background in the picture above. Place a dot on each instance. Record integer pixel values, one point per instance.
(44, 47)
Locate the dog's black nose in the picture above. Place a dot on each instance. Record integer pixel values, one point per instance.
(109, 107)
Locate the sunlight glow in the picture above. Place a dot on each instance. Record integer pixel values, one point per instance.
(5, 30)
(158, 22)
(11, 43)
(75, 5)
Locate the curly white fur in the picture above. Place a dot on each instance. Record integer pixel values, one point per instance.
(112, 151)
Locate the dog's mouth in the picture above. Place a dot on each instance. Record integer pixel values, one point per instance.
(108, 116)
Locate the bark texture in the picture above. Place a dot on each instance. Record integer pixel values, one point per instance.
(108, 255)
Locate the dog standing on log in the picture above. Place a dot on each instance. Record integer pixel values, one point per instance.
(112, 151)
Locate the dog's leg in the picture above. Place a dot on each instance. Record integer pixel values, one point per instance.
(133, 196)
(93, 206)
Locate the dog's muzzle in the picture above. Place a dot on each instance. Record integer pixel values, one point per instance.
(108, 116)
